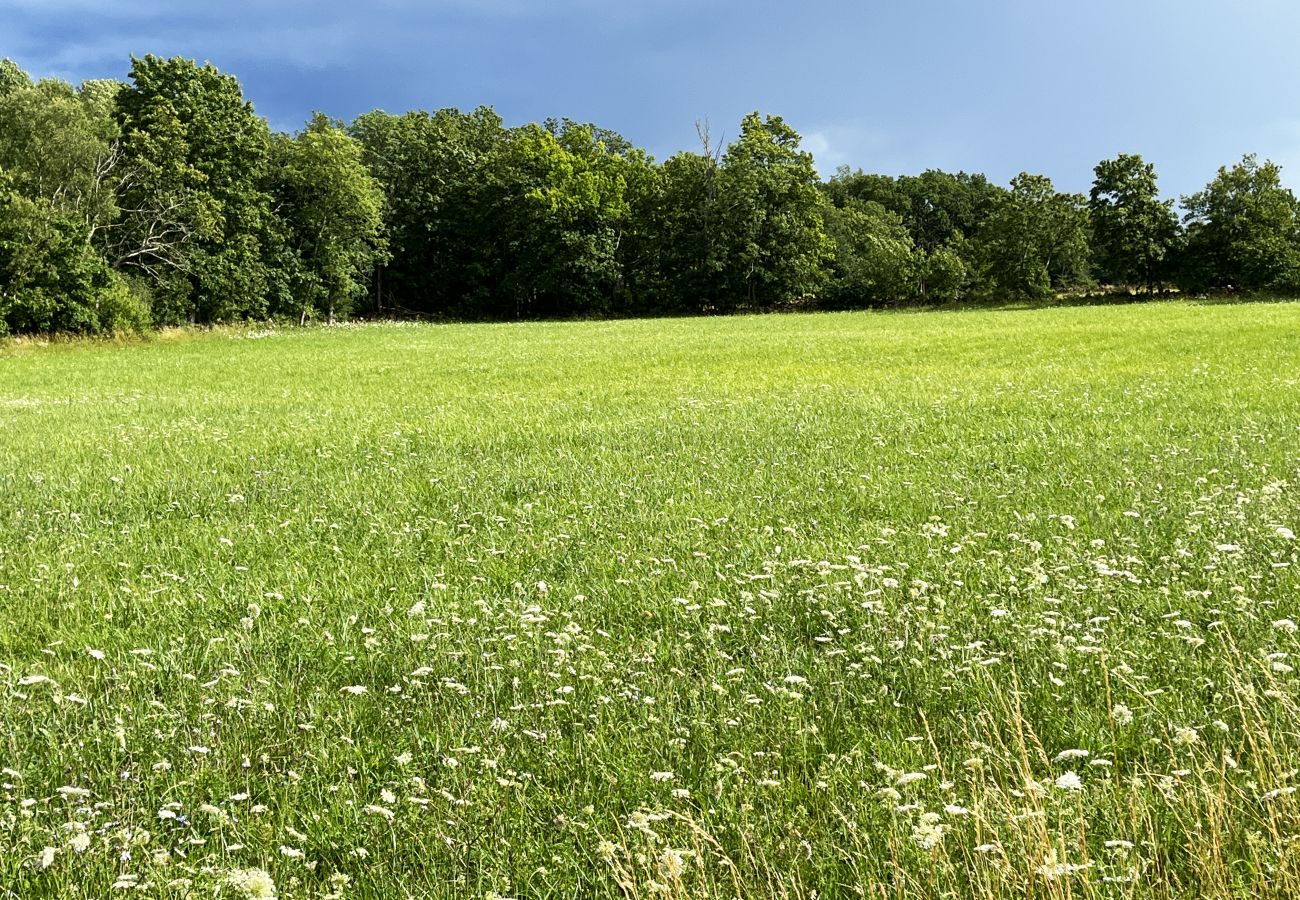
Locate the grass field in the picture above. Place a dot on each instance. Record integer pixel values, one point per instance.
(939, 604)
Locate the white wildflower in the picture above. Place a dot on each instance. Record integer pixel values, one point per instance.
(673, 863)
(1070, 754)
(382, 811)
(928, 831)
(1069, 781)
(255, 884)
(1054, 867)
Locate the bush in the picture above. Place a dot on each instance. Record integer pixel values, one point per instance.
(124, 306)
(53, 280)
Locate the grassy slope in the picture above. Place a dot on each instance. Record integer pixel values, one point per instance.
(785, 559)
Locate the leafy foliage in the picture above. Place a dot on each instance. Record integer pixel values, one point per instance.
(52, 278)
(333, 209)
(776, 246)
(1134, 232)
(12, 77)
(197, 215)
(1035, 241)
(875, 262)
(562, 219)
(169, 199)
(1243, 231)
(442, 176)
(59, 145)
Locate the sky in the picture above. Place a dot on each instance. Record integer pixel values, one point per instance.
(992, 86)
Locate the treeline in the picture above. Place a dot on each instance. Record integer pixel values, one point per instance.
(166, 200)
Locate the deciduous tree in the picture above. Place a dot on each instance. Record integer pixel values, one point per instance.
(333, 209)
(1243, 231)
(196, 212)
(1034, 242)
(875, 261)
(777, 248)
(60, 146)
(443, 177)
(1134, 232)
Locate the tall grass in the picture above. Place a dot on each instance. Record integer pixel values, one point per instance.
(977, 604)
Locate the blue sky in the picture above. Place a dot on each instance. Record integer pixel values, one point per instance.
(996, 86)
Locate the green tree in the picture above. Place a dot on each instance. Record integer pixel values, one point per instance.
(58, 175)
(51, 277)
(944, 272)
(60, 146)
(637, 249)
(1035, 241)
(687, 247)
(847, 186)
(196, 212)
(444, 178)
(945, 207)
(1243, 231)
(875, 261)
(333, 209)
(1134, 232)
(935, 206)
(496, 223)
(941, 211)
(777, 248)
(12, 77)
(563, 219)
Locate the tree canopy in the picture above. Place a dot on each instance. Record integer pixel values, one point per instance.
(167, 199)
(333, 208)
(1034, 241)
(1134, 232)
(1243, 230)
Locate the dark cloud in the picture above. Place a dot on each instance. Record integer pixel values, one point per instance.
(997, 87)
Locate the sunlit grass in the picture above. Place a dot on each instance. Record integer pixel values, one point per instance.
(966, 604)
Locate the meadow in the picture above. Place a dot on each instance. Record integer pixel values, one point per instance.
(943, 604)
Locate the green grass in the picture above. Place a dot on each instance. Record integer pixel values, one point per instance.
(657, 608)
